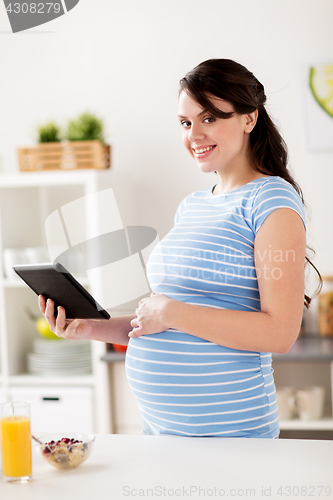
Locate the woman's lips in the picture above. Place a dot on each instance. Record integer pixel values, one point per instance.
(202, 151)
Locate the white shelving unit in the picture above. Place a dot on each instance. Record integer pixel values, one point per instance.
(309, 362)
(26, 200)
(324, 424)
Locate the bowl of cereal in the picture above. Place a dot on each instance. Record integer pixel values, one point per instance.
(66, 450)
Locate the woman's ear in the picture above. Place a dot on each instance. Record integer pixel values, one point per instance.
(251, 120)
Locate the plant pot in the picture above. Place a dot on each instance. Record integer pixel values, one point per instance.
(65, 156)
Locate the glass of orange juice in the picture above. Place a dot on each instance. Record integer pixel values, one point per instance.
(15, 440)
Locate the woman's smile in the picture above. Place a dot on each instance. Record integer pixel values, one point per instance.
(202, 151)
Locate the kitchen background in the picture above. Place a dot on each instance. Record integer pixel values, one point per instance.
(122, 60)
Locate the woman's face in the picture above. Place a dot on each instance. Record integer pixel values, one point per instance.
(217, 144)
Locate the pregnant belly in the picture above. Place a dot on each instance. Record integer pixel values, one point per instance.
(181, 380)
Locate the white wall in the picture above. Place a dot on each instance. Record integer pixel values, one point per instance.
(122, 59)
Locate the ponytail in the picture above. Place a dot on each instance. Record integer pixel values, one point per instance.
(269, 154)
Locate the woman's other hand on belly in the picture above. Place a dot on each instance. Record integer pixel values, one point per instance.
(150, 316)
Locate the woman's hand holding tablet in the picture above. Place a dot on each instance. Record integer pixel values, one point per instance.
(67, 328)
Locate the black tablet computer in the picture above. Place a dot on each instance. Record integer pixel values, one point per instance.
(54, 282)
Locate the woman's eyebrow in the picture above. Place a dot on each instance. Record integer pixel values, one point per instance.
(200, 114)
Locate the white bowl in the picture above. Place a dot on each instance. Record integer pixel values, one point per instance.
(66, 450)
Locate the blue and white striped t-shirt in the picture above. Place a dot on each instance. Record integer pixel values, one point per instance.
(186, 385)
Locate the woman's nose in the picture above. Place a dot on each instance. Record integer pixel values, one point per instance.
(195, 133)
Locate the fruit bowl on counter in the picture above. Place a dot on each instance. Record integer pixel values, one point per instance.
(66, 450)
(42, 326)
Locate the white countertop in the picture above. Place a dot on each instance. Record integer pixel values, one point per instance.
(170, 466)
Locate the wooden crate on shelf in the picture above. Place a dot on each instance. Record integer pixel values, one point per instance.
(65, 156)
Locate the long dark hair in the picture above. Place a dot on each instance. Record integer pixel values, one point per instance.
(232, 82)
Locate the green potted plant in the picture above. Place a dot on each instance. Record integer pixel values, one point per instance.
(87, 127)
(49, 132)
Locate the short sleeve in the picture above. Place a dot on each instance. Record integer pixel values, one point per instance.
(273, 194)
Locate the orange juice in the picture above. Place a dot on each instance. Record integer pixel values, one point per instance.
(16, 446)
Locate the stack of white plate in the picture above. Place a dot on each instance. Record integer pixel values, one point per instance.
(60, 357)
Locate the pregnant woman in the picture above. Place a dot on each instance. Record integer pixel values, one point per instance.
(227, 280)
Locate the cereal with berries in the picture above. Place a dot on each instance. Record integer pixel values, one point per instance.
(65, 453)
